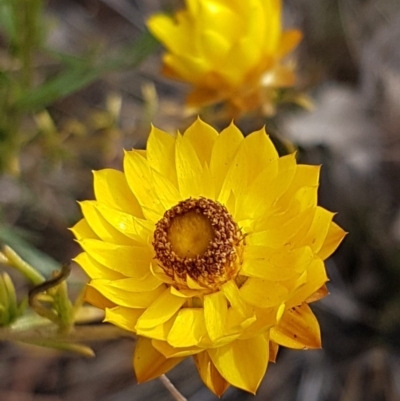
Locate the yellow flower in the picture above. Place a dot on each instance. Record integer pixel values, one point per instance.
(208, 245)
(228, 50)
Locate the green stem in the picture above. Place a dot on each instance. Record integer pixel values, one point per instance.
(26, 269)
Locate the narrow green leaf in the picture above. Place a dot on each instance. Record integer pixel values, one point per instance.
(79, 74)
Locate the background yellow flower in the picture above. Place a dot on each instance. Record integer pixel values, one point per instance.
(208, 245)
(229, 51)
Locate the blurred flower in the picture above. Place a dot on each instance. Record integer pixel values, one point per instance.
(230, 51)
(208, 245)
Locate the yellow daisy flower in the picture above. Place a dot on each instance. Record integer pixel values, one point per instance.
(228, 50)
(208, 245)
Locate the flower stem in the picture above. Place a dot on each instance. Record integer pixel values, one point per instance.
(172, 389)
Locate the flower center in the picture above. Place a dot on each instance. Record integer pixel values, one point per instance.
(198, 238)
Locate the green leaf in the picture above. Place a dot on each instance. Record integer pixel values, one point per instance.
(80, 73)
(42, 262)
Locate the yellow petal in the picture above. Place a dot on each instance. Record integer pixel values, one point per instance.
(273, 351)
(131, 261)
(93, 297)
(262, 201)
(215, 314)
(188, 168)
(265, 318)
(322, 292)
(126, 298)
(209, 374)
(176, 37)
(147, 283)
(202, 138)
(167, 192)
(135, 228)
(306, 176)
(171, 352)
(333, 239)
(148, 363)
(159, 332)
(189, 328)
(289, 40)
(101, 226)
(94, 269)
(214, 47)
(297, 329)
(186, 67)
(138, 175)
(236, 178)
(282, 230)
(125, 318)
(316, 278)
(242, 363)
(263, 293)
(261, 151)
(161, 153)
(111, 188)
(82, 230)
(223, 153)
(276, 265)
(161, 310)
(272, 22)
(232, 293)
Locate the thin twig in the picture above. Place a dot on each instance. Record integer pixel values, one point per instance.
(172, 389)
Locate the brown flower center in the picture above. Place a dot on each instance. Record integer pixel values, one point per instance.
(198, 238)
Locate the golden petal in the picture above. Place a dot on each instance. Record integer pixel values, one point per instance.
(322, 292)
(242, 363)
(318, 231)
(276, 265)
(126, 298)
(297, 329)
(123, 317)
(138, 175)
(171, 352)
(232, 293)
(209, 374)
(202, 137)
(273, 351)
(289, 40)
(188, 168)
(111, 188)
(282, 230)
(263, 293)
(161, 310)
(103, 229)
(94, 269)
(215, 314)
(316, 278)
(306, 176)
(131, 261)
(138, 230)
(189, 328)
(167, 192)
(148, 363)
(272, 22)
(187, 67)
(176, 37)
(223, 153)
(82, 230)
(161, 153)
(159, 332)
(334, 237)
(95, 298)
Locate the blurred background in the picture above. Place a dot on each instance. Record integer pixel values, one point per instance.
(80, 81)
